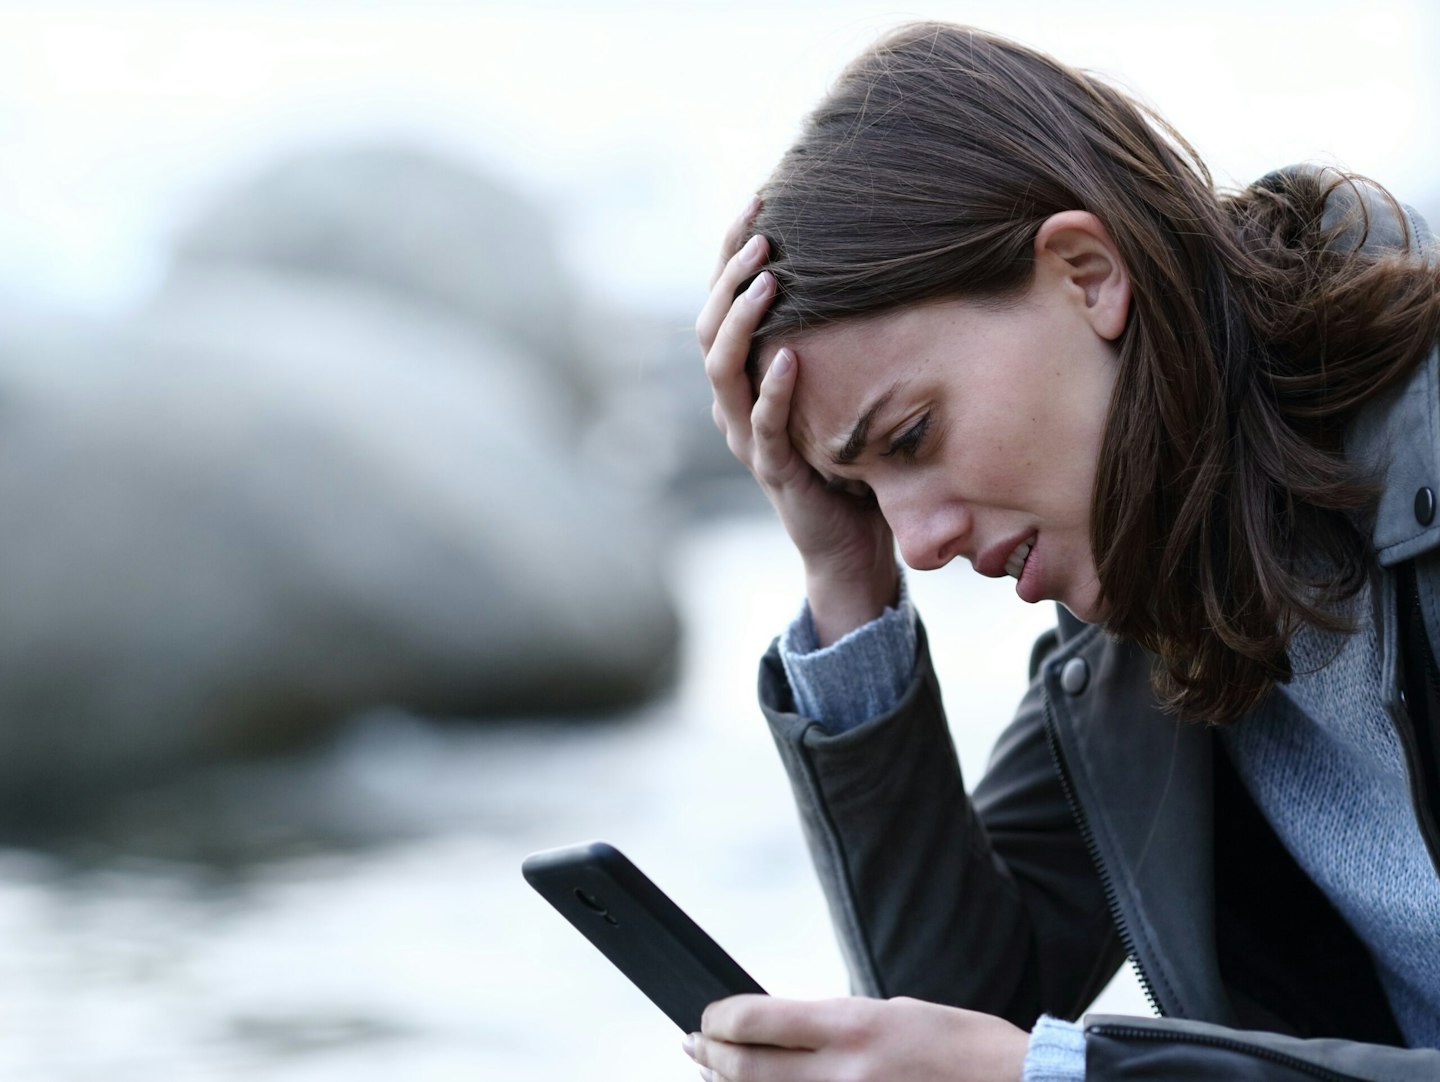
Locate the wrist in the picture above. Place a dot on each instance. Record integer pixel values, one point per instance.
(839, 604)
(1055, 1053)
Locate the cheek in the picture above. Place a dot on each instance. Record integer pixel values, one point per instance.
(1006, 433)
(1018, 449)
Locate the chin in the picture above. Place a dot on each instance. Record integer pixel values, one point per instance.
(1087, 605)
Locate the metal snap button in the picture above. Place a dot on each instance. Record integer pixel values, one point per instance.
(1424, 506)
(1075, 675)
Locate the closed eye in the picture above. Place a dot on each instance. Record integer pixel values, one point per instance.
(907, 444)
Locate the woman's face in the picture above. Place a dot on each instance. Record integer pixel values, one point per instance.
(977, 427)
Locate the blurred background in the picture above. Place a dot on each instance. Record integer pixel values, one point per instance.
(363, 528)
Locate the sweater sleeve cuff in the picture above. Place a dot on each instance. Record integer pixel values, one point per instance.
(856, 678)
(1056, 1053)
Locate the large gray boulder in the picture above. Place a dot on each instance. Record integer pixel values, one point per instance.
(275, 497)
(414, 224)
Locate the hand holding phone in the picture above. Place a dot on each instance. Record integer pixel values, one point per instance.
(633, 923)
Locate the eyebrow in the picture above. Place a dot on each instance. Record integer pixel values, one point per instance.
(860, 434)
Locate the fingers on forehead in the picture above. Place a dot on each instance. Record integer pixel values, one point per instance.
(761, 356)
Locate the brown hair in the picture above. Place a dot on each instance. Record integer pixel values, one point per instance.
(1224, 513)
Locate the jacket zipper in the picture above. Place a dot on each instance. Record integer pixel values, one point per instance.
(1112, 900)
(1294, 1063)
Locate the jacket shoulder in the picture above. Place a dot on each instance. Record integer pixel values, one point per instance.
(1360, 214)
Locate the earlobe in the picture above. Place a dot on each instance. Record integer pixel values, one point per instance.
(1083, 255)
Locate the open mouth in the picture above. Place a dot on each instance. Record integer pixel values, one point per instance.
(1015, 565)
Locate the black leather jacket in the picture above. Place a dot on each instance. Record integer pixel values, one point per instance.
(1104, 828)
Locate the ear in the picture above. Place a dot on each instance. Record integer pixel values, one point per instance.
(1075, 250)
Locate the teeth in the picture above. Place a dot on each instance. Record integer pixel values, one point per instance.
(1016, 564)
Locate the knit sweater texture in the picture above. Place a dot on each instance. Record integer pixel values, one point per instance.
(1330, 776)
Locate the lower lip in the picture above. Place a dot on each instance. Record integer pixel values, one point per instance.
(1027, 586)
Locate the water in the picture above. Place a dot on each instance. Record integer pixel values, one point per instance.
(394, 936)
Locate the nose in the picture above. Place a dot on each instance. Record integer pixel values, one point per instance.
(928, 536)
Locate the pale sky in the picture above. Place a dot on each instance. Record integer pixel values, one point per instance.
(643, 125)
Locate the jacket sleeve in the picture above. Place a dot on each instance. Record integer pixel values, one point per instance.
(990, 904)
(1119, 1049)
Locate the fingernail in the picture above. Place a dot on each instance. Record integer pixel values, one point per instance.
(689, 1045)
(752, 206)
(761, 285)
(783, 360)
(707, 1074)
(752, 247)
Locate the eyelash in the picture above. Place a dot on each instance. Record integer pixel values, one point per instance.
(907, 444)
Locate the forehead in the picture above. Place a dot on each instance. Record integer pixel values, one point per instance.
(845, 367)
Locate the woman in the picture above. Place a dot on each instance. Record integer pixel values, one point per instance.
(991, 309)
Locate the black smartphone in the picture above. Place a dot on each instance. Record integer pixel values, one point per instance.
(647, 936)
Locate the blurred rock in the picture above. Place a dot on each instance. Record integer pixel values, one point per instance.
(705, 478)
(276, 497)
(412, 224)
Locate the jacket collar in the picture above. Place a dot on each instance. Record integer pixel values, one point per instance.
(1397, 434)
